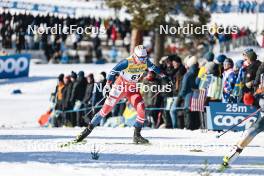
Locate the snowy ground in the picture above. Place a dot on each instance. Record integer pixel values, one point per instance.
(33, 151)
(26, 149)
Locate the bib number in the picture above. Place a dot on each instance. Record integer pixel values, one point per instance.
(135, 77)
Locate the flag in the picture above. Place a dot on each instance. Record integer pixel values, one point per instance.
(197, 100)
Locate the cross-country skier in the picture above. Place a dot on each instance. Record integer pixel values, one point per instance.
(130, 70)
(256, 128)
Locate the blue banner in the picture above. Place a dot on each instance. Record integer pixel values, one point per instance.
(222, 116)
(14, 66)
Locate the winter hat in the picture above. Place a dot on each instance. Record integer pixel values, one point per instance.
(190, 61)
(91, 76)
(209, 67)
(60, 77)
(68, 77)
(81, 74)
(239, 64)
(103, 74)
(220, 59)
(209, 56)
(250, 53)
(73, 75)
(230, 62)
(248, 99)
(163, 59)
(175, 57)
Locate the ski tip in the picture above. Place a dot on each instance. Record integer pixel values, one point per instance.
(223, 167)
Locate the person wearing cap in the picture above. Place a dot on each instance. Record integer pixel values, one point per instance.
(185, 93)
(229, 80)
(122, 82)
(57, 122)
(66, 104)
(73, 76)
(208, 57)
(211, 81)
(252, 65)
(219, 61)
(78, 92)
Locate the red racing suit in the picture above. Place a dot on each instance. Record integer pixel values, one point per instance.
(129, 73)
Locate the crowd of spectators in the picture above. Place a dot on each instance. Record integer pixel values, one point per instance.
(15, 34)
(75, 92)
(243, 6)
(221, 78)
(228, 41)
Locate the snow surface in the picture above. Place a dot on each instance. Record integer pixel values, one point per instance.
(33, 151)
(28, 150)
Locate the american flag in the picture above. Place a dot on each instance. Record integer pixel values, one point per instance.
(197, 100)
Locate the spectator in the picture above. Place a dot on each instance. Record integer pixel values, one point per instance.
(72, 101)
(213, 6)
(241, 5)
(113, 35)
(209, 57)
(166, 96)
(239, 70)
(229, 80)
(87, 100)
(78, 91)
(151, 99)
(98, 95)
(247, 6)
(66, 104)
(252, 65)
(57, 121)
(188, 84)
(180, 70)
(253, 6)
(219, 60)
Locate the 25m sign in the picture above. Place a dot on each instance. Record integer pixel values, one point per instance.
(222, 116)
(14, 66)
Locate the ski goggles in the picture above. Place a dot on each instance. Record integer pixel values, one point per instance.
(142, 58)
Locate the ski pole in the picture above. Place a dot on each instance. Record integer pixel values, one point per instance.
(156, 94)
(250, 115)
(95, 106)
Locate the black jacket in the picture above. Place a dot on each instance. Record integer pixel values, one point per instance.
(177, 79)
(258, 75)
(78, 89)
(250, 74)
(66, 93)
(88, 94)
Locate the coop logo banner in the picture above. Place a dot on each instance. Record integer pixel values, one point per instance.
(14, 66)
(222, 116)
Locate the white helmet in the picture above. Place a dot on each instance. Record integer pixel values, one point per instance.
(140, 53)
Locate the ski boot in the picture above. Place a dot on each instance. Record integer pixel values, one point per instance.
(137, 138)
(227, 160)
(84, 133)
